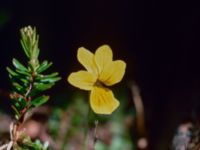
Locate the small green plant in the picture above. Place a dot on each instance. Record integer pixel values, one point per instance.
(28, 82)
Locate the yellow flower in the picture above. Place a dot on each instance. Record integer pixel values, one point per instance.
(101, 72)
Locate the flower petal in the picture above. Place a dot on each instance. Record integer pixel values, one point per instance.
(113, 72)
(82, 79)
(103, 56)
(102, 100)
(86, 58)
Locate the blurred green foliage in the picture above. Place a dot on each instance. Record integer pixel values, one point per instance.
(79, 120)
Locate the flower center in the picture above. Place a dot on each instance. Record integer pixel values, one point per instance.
(99, 84)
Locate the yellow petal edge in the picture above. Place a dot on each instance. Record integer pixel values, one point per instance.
(82, 79)
(86, 58)
(103, 56)
(113, 73)
(102, 100)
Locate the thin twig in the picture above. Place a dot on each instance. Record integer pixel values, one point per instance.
(4, 146)
(13, 127)
(29, 90)
(95, 132)
(137, 100)
(10, 144)
(140, 115)
(23, 115)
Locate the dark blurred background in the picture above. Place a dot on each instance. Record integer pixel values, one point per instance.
(159, 40)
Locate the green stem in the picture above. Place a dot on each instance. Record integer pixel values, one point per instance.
(95, 133)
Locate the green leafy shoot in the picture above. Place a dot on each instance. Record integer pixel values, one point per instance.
(29, 80)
